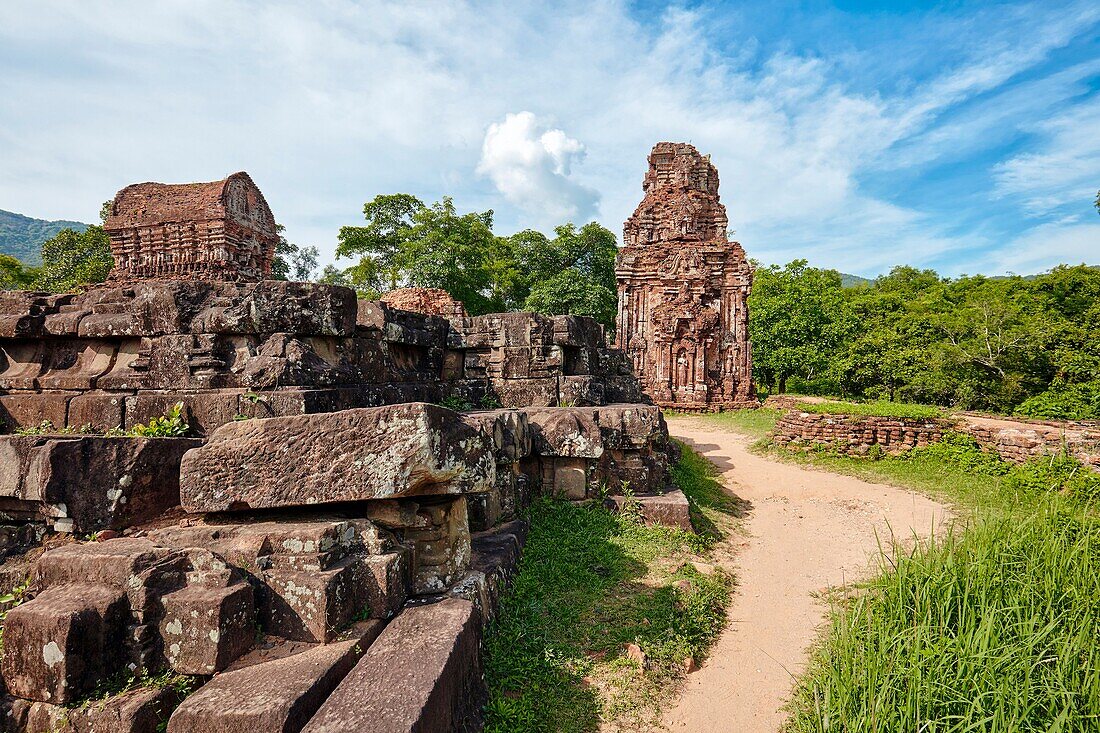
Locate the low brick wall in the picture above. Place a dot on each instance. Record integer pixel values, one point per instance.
(856, 434)
(1013, 440)
(1021, 441)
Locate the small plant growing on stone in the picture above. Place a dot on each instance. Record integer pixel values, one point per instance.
(169, 425)
(456, 403)
(489, 401)
(15, 597)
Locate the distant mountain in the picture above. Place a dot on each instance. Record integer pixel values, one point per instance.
(851, 281)
(22, 237)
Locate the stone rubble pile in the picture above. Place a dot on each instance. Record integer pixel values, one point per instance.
(324, 554)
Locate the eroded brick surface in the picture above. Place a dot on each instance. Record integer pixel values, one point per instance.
(684, 287)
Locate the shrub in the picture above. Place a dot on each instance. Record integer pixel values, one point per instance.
(169, 425)
(1072, 402)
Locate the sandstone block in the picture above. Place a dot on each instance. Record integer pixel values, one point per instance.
(204, 628)
(669, 510)
(98, 482)
(277, 695)
(58, 645)
(369, 453)
(422, 674)
(144, 710)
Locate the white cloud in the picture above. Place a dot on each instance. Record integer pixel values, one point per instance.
(1062, 172)
(1048, 245)
(531, 164)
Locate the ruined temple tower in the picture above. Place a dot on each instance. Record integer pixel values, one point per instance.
(684, 288)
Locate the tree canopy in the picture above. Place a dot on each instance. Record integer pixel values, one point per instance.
(406, 243)
(1003, 344)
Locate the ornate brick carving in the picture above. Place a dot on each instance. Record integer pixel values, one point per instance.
(221, 230)
(683, 288)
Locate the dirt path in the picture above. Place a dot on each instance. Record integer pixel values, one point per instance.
(806, 531)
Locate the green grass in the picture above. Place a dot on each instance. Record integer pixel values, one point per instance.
(757, 423)
(880, 408)
(990, 629)
(591, 582)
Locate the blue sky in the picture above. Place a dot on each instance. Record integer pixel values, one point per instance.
(858, 135)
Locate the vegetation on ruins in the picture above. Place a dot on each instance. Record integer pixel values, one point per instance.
(1004, 344)
(406, 243)
(592, 582)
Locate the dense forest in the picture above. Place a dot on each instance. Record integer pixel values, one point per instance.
(1005, 344)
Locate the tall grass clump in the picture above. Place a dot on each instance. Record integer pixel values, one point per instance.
(996, 628)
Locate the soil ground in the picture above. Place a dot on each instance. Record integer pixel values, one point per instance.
(805, 531)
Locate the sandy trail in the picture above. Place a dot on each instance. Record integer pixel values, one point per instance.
(806, 531)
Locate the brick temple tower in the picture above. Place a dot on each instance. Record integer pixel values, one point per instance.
(222, 230)
(684, 288)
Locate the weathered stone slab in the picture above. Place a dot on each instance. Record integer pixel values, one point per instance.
(97, 482)
(670, 509)
(144, 710)
(422, 674)
(370, 453)
(277, 695)
(59, 646)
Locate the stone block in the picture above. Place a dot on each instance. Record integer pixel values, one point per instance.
(508, 429)
(277, 695)
(542, 392)
(143, 710)
(97, 482)
(669, 510)
(100, 410)
(59, 645)
(369, 453)
(117, 563)
(423, 673)
(313, 605)
(30, 409)
(204, 628)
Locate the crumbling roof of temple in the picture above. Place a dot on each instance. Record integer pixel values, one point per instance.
(151, 204)
(681, 202)
(431, 301)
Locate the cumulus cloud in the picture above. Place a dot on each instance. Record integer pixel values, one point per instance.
(531, 164)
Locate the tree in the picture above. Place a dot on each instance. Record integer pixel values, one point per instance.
(14, 275)
(798, 322)
(390, 219)
(292, 262)
(406, 243)
(72, 260)
(574, 273)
